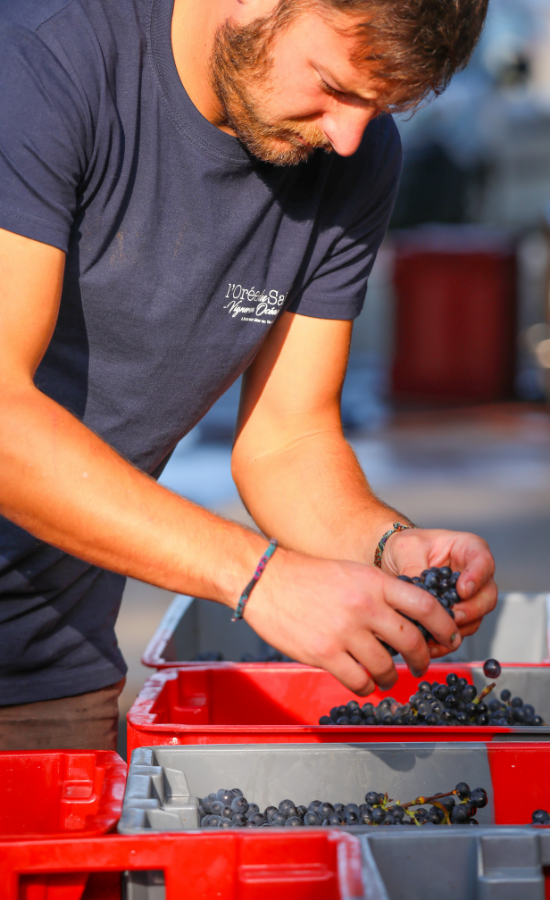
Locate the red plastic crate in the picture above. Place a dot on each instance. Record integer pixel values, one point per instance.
(520, 775)
(60, 793)
(456, 298)
(236, 866)
(243, 703)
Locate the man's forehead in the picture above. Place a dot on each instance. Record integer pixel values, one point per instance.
(351, 64)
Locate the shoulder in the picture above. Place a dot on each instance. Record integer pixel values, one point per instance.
(69, 51)
(74, 31)
(30, 15)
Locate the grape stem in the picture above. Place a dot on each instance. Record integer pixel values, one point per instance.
(440, 806)
(420, 801)
(486, 690)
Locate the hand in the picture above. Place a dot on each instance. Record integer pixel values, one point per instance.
(334, 614)
(409, 552)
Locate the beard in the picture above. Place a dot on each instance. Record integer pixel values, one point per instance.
(240, 66)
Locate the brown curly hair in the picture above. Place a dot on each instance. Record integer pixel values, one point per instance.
(413, 47)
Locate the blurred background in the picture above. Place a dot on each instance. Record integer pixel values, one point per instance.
(446, 398)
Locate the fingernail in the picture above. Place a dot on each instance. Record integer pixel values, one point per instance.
(455, 638)
(470, 588)
(417, 673)
(460, 615)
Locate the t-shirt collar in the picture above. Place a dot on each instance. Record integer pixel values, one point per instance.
(184, 112)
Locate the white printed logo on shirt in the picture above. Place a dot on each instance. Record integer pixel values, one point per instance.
(251, 305)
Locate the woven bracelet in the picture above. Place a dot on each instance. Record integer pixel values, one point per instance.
(243, 599)
(397, 526)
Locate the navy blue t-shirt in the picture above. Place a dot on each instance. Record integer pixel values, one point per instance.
(182, 250)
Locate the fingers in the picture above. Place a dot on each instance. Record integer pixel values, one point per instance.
(437, 650)
(469, 611)
(352, 675)
(369, 652)
(426, 609)
(477, 564)
(397, 632)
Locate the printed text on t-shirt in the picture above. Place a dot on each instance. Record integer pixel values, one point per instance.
(252, 305)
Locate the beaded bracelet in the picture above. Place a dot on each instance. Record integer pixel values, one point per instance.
(243, 599)
(397, 526)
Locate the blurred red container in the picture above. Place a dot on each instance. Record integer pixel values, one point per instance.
(262, 703)
(455, 315)
(59, 795)
(303, 866)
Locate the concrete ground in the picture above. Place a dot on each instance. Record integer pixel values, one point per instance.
(485, 470)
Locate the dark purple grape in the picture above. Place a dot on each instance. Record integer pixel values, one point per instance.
(463, 791)
(335, 819)
(256, 819)
(492, 668)
(239, 805)
(436, 815)
(459, 815)
(479, 798)
(312, 819)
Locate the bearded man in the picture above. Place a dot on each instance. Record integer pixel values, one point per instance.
(190, 191)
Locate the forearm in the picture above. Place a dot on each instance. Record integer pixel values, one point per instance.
(65, 485)
(313, 496)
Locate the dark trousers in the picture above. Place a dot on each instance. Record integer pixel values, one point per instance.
(85, 722)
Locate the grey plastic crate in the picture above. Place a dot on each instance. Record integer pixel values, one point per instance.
(191, 626)
(497, 863)
(164, 783)
(517, 631)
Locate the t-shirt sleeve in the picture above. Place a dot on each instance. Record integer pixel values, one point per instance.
(354, 216)
(43, 132)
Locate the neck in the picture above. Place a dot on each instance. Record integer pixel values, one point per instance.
(194, 25)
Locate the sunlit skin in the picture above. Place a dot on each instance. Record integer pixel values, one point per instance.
(311, 89)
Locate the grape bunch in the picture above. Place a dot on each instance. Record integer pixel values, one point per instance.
(452, 702)
(230, 809)
(540, 817)
(441, 583)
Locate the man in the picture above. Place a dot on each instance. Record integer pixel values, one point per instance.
(189, 192)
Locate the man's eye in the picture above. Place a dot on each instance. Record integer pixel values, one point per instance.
(331, 90)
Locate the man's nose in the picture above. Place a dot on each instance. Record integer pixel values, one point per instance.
(345, 127)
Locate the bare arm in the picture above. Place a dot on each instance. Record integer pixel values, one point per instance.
(64, 484)
(300, 479)
(297, 474)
